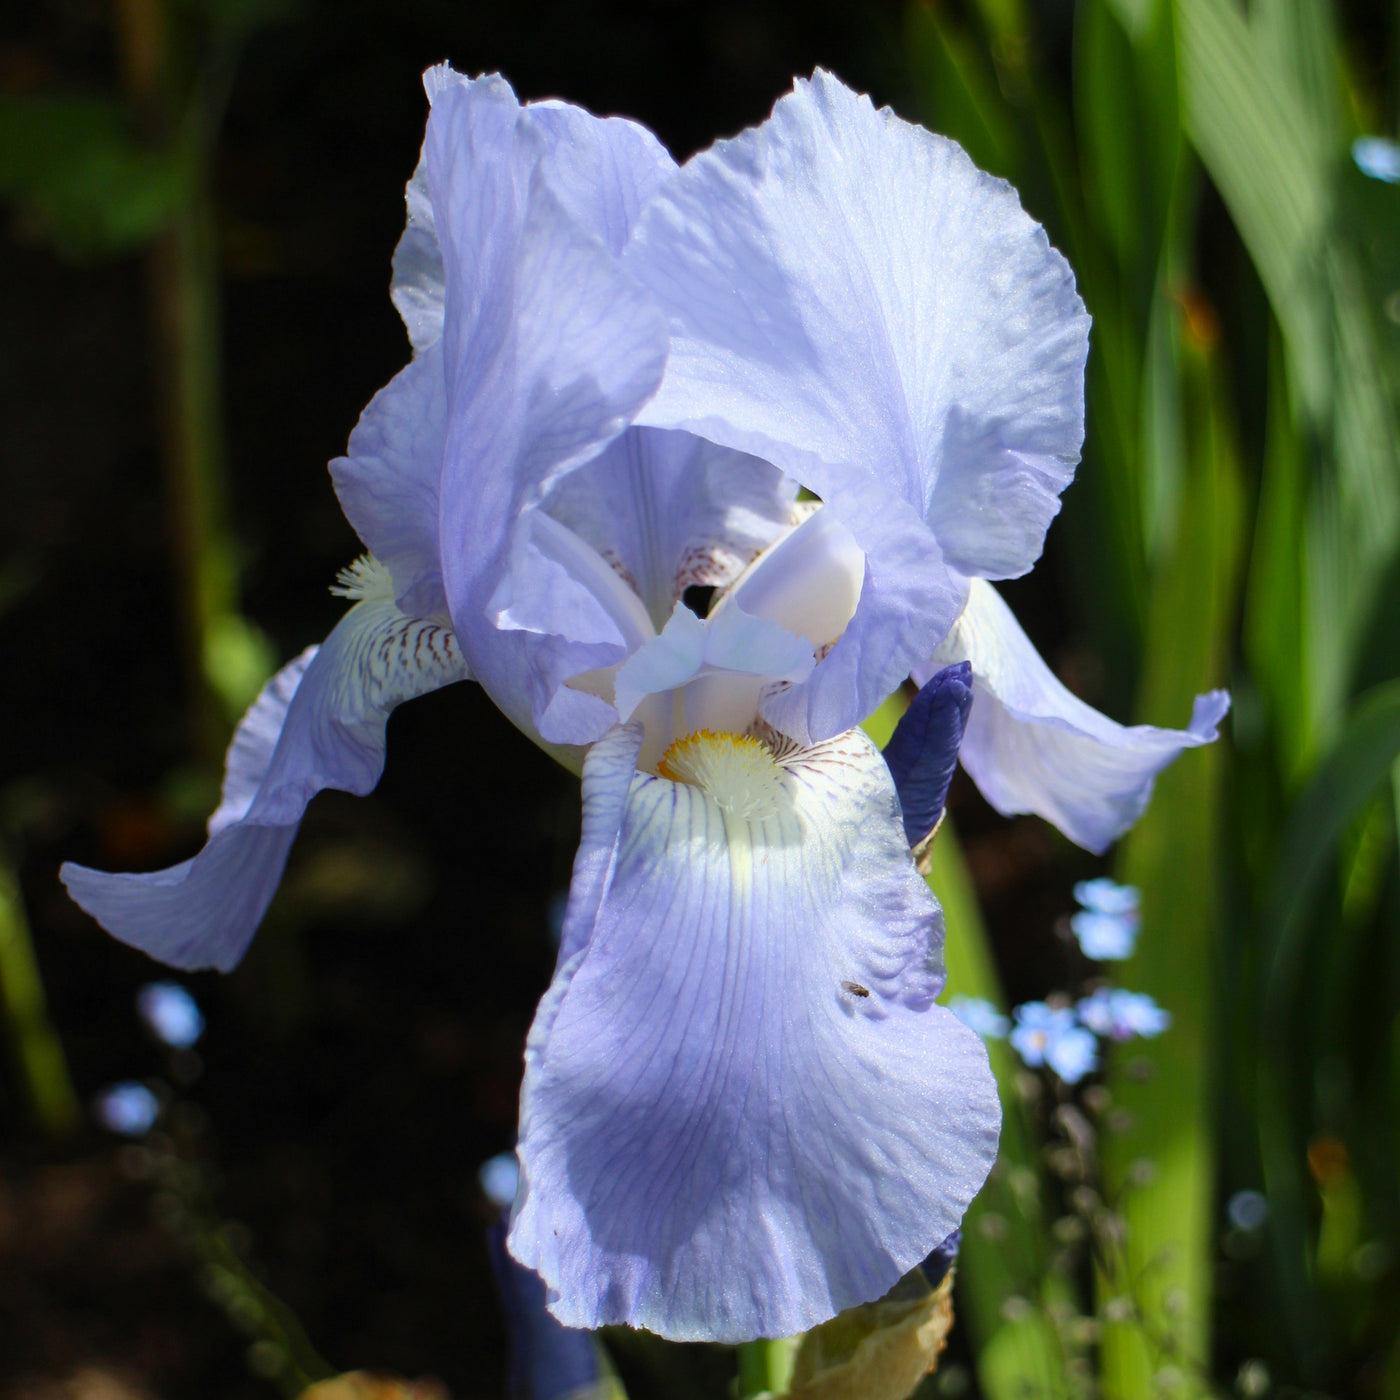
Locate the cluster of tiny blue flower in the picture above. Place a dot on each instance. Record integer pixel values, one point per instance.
(1066, 1039)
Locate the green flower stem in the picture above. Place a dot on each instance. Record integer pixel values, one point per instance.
(765, 1366)
(226, 659)
(37, 1047)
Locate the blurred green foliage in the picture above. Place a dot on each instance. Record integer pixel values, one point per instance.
(1243, 464)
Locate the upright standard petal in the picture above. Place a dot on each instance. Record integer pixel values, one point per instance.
(388, 480)
(668, 510)
(318, 723)
(603, 169)
(851, 299)
(551, 349)
(742, 1110)
(1031, 746)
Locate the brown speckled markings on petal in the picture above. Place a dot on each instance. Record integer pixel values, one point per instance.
(404, 656)
(720, 561)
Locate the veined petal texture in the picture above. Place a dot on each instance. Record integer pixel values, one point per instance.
(601, 171)
(387, 482)
(1032, 746)
(850, 298)
(549, 349)
(742, 1109)
(318, 723)
(668, 510)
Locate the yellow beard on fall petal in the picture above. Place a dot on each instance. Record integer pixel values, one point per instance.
(736, 770)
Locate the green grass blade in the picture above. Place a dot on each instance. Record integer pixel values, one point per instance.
(1346, 781)
(1173, 856)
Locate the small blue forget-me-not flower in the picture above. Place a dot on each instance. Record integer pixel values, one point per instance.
(1377, 157)
(980, 1015)
(1106, 925)
(128, 1108)
(1051, 1036)
(171, 1014)
(1116, 1014)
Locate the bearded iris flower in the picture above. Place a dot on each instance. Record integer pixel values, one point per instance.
(742, 1109)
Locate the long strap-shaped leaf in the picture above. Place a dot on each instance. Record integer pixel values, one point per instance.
(1341, 787)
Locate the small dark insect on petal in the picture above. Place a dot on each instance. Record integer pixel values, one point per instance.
(855, 989)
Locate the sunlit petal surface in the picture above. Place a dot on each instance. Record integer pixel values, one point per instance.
(742, 1110)
(550, 349)
(852, 300)
(1032, 746)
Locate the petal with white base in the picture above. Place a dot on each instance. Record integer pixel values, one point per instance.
(852, 300)
(742, 1109)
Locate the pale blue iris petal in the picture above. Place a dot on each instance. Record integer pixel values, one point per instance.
(602, 169)
(548, 1361)
(906, 584)
(318, 723)
(1032, 746)
(731, 642)
(387, 482)
(669, 510)
(418, 285)
(720, 1137)
(557, 585)
(552, 348)
(852, 300)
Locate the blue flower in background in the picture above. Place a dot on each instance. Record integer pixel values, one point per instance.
(1047, 1035)
(1119, 1015)
(171, 1014)
(128, 1108)
(981, 1016)
(548, 1361)
(1378, 158)
(743, 1110)
(500, 1179)
(1107, 924)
